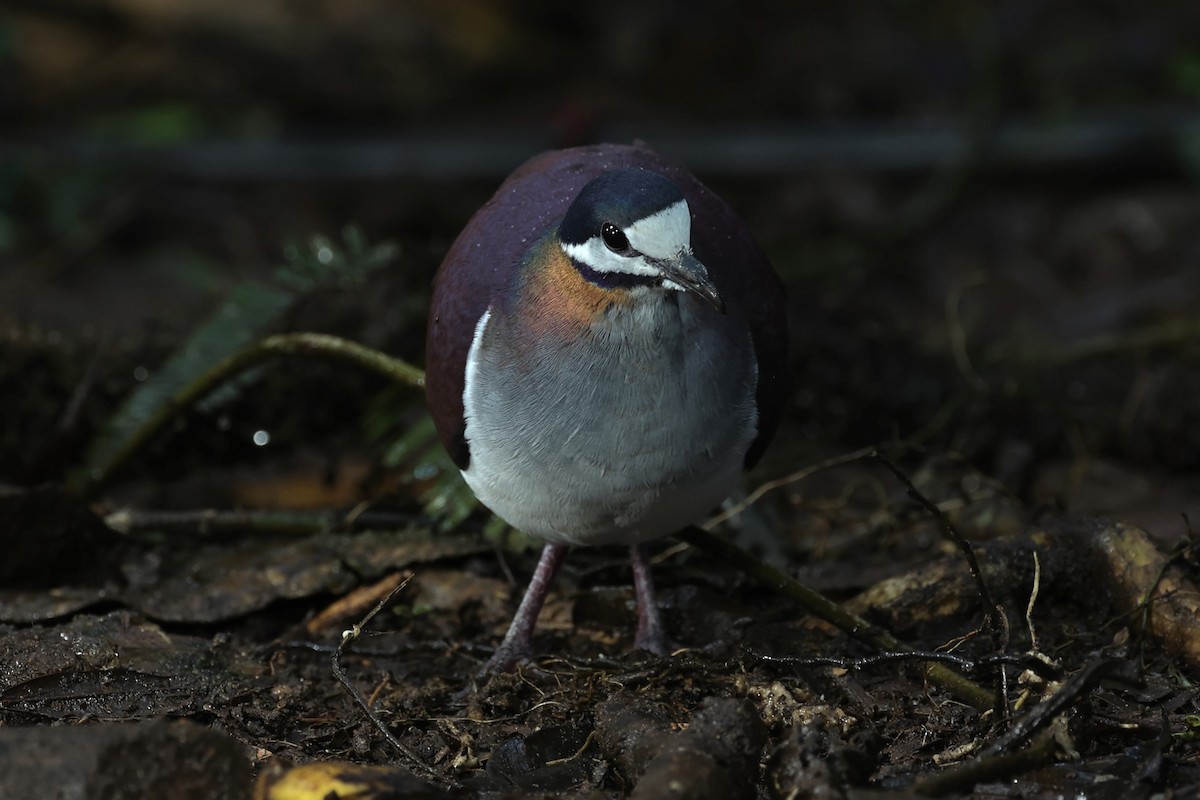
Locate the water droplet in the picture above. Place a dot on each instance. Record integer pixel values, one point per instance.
(261, 438)
(140, 374)
(324, 254)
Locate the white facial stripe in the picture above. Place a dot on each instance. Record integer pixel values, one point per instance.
(665, 234)
(595, 254)
(662, 235)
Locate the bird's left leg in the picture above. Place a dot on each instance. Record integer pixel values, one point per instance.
(518, 642)
(649, 630)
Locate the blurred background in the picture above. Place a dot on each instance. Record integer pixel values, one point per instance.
(986, 215)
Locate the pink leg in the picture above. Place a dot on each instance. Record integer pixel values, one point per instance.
(518, 642)
(649, 630)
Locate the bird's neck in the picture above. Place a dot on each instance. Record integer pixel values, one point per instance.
(550, 297)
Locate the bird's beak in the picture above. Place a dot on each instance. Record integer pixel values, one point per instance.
(686, 272)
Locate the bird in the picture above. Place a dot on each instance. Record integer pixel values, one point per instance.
(606, 353)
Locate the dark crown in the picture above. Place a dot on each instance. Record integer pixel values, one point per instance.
(621, 197)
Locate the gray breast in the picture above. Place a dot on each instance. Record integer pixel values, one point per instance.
(626, 433)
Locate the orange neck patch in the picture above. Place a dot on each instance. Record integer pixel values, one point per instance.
(557, 299)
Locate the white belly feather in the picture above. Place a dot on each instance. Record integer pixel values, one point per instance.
(628, 434)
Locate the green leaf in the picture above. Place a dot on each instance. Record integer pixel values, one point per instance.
(252, 309)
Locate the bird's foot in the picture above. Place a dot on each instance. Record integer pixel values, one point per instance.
(650, 637)
(508, 656)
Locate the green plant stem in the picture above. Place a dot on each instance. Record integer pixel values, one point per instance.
(994, 768)
(320, 345)
(816, 603)
(1159, 335)
(130, 521)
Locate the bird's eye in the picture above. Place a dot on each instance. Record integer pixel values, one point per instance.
(614, 238)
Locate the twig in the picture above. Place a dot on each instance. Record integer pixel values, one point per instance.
(205, 522)
(339, 672)
(996, 761)
(964, 777)
(997, 620)
(1072, 690)
(957, 332)
(68, 423)
(1033, 596)
(1158, 335)
(287, 344)
(786, 480)
(823, 607)
(354, 601)
(947, 526)
(1143, 608)
(964, 663)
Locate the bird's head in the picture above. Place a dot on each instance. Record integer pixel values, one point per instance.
(631, 228)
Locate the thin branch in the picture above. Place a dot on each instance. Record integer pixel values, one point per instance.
(964, 663)
(786, 480)
(821, 606)
(957, 333)
(287, 344)
(997, 620)
(963, 777)
(208, 522)
(998, 760)
(947, 526)
(1155, 336)
(339, 672)
(1033, 596)
(1073, 689)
